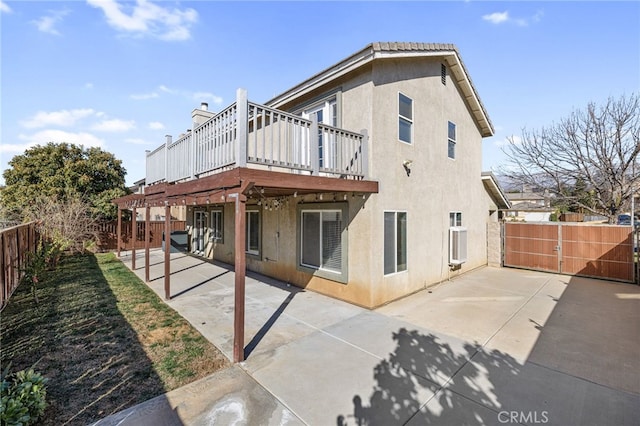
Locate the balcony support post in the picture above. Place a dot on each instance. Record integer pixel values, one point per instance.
(242, 119)
(364, 154)
(314, 146)
(166, 157)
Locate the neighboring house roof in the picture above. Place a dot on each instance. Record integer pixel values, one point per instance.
(384, 50)
(493, 187)
(524, 196)
(529, 207)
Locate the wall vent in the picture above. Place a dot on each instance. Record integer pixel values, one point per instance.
(457, 245)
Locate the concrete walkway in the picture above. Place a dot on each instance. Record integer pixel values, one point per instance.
(494, 346)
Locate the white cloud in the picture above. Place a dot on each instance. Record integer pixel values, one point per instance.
(206, 96)
(4, 8)
(114, 125)
(498, 18)
(16, 148)
(88, 86)
(162, 89)
(46, 24)
(45, 136)
(156, 125)
(144, 96)
(62, 118)
(148, 19)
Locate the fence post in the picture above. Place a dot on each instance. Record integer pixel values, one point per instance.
(242, 119)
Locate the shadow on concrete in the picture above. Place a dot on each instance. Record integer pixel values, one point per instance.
(593, 332)
(267, 325)
(201, 283)
(395, 399)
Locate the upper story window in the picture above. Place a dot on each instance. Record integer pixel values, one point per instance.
(451, 141)
(325, 112)
(405, 118)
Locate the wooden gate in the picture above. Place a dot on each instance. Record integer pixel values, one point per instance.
(598, 251)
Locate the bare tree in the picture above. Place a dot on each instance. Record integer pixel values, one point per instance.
(68, 223)
(595, 151)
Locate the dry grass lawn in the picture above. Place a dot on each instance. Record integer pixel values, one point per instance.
(103, 339)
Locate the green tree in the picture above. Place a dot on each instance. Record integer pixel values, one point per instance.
(63, 171)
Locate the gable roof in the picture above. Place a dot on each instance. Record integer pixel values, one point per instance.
(381, 50)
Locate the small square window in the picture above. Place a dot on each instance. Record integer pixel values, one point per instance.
(455, 219)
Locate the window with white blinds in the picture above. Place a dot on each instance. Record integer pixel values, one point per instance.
(321, 239)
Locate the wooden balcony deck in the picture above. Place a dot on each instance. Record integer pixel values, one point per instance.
(250, 135)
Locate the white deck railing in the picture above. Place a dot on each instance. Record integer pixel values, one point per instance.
(248, 133)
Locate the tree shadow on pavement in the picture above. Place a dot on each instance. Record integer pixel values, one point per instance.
(421, 371)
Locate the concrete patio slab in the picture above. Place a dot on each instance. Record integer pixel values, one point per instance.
(227, 397)
(493, 346)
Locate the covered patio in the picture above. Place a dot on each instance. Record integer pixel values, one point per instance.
(237, 186)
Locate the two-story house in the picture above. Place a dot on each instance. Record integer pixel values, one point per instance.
(363, 182)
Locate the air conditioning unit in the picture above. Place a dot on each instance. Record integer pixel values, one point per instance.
(457, 245)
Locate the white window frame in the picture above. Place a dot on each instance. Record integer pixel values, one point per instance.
(455, 218)
(402, 118)
(199, 233)
(248, 231)
(395, 242)
(341, 276)
(213, 228)
(452, 140)
(327, 149)
(322, 212)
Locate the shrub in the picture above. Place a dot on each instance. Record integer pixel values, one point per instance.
(23, 397)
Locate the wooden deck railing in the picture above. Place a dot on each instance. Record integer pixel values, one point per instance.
(248, 133)
(15, 245)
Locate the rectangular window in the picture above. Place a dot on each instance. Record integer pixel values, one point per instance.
(217, 226)
(252, 236)
(451, 140)
(455, 219)
(321, 239)
(395, 242)
(405, 118)
(443, 74)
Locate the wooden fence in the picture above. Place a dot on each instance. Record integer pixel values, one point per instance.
(15, 245)
(598, 251)
(108, 234)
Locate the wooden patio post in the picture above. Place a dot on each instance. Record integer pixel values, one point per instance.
(119, 231)
(240, 265)
(134, 237)
(147, 242)
(167, 251)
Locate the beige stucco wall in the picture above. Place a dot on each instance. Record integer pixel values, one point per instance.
(437, 185)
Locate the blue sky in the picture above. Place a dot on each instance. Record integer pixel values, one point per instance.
(122, 74)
